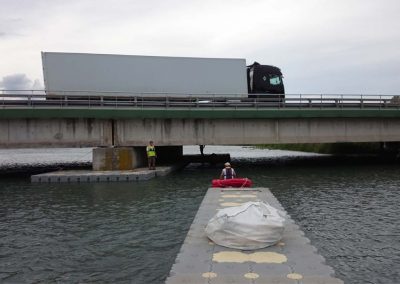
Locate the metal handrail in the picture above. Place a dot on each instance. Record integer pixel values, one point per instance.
(90, 99)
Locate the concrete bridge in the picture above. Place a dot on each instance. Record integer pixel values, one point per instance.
(133, 122)
(80, 127)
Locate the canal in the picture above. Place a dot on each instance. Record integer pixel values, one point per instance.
(131, 232)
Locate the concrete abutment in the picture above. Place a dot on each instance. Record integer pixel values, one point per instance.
(129, 158)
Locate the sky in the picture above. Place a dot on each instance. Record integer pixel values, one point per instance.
(321, 46)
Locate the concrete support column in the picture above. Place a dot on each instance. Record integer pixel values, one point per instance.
(118, 159)
(129, 158)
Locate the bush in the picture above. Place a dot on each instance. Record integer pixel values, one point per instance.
(329, 148)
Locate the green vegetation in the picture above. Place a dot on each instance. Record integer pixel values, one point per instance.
(329, 148)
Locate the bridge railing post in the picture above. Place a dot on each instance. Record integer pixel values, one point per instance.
(30, 98)
(236, 106)
(300, 101)
(361, 102)
(320, 105)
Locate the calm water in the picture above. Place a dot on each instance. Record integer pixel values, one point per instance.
(131, 232)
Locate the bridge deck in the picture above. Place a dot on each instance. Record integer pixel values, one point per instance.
(292, 260)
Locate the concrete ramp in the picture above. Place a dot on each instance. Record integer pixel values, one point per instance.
(293, 260)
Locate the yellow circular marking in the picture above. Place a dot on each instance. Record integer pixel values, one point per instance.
(294, 276)
(281, 244)
(230, 256)
(209, 275)
(229, 204)
(251, 275)
(257, 257)
(238, 196)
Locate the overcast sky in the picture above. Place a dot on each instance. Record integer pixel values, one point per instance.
(336, 46)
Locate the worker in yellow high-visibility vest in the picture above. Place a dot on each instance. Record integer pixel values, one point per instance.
(151, 155)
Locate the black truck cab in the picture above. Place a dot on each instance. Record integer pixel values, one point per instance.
(264, 79)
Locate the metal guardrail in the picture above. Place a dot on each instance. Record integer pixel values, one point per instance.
(38, 98)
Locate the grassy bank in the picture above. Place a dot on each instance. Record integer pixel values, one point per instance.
(329, 148)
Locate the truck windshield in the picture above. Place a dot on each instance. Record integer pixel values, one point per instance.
(275, 80)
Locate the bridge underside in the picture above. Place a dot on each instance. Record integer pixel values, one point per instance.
(88, 132)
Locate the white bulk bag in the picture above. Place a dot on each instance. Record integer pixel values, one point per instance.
(252, 225)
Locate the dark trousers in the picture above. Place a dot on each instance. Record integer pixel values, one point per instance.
(152, 163)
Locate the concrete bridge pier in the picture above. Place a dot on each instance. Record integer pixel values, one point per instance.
(391, 149)
(129, 158)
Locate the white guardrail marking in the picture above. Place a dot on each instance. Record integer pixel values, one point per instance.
(65, 99)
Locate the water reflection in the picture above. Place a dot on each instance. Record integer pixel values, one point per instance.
(131, 232)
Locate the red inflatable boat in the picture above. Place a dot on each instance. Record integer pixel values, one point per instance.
(234, 182)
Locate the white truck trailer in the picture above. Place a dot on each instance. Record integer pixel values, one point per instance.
(127, 75)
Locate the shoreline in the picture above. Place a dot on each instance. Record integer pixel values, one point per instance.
(278, 161)
(29, 169)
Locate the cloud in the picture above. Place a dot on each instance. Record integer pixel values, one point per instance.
(321, 45)
(19, 82)
(10, 26)
(37, 85)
